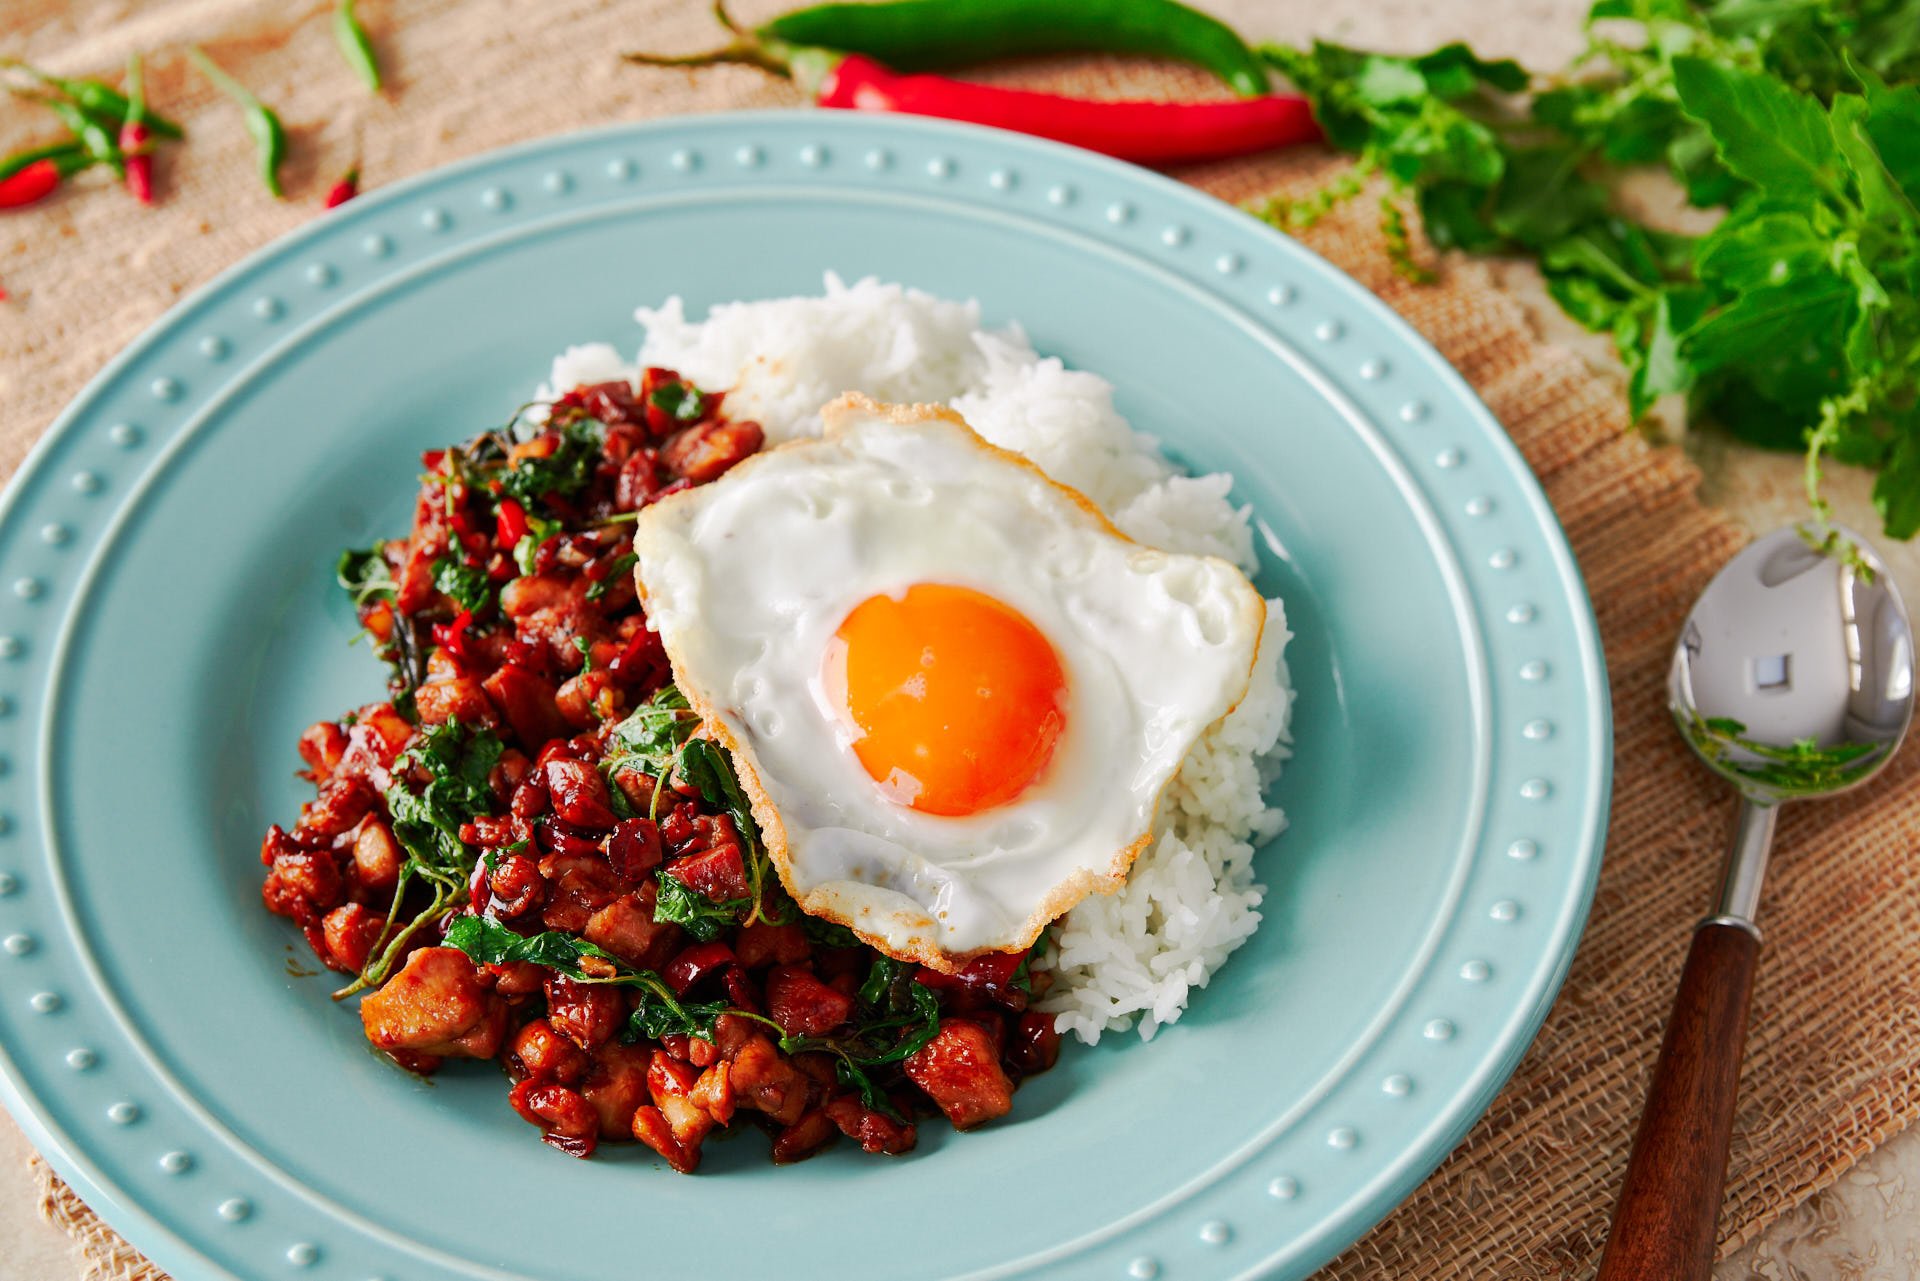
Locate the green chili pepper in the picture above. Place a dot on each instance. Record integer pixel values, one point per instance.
(69, 157)
(101, 146)
(107, 105)
(926, 35)
(355, 45)
(269, 138)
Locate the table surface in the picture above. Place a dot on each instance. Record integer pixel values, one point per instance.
(1865, 1228)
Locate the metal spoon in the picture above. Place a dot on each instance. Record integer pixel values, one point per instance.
(1793, 679)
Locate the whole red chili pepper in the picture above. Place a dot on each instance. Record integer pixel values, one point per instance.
(344, 190)
(1148, 133)
(32, 184)
(136, 139)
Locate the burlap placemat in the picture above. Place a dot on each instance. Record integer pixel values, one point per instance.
(1831, 1064)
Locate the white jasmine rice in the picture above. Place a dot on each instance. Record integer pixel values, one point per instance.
(1132, 958)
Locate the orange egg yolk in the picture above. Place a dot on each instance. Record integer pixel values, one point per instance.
(957, 697)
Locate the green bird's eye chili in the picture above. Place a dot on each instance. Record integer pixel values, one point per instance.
(355, 45)
(107, 105)
(269, 138)
(101, 146)
(136, 138)
(68, 157)
(927, 35)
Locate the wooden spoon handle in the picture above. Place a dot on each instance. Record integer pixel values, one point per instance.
(1665, 1223)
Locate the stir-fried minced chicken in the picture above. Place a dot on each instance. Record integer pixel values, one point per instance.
(533, 853)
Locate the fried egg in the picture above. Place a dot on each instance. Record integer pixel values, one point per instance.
(953, 691)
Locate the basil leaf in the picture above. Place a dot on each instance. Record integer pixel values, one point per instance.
(365, 574)
(694, 912)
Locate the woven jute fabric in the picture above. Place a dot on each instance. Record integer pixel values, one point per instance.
(1833, 1062)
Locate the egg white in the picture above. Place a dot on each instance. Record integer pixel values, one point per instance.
(748, 578)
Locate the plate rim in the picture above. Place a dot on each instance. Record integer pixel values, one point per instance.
(1521, 1025)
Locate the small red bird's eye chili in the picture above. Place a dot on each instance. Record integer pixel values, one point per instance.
(1148, 133)
(29, 185)
(136, 139)
(344, 190)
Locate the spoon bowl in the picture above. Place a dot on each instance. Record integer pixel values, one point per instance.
(1793, 677)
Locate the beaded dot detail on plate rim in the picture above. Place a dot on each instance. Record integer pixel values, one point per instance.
(496, 199)
(1216, 1232)
(8, 885)
(303, 1254)
(1373, 370)
(18, 944)
(1479, 506)
(1283, 1188)
(749, 157)
(940, 167)
(1413, 411)
(319, 274)
(1504, 558)
(1003, 180)
(1342, 1137)
(123, 1114)
(6, 709)
(1523, 849)
(1060, 195)
(45, 1002)
(620, 168)
(165, 389)
(1505, 910)
(81, 1060)
(1399, 1085)
(1173, 237)
(1438, 1030)
(1520, 613)
(1328, 330)
(6, 824)
(1118, 212)
(1227, 264)
(10, 647)
(1536, 789)
(1280, 295)
(267, 308)
(176, 1163)
(28, 588)
(1447, 459)
(125, 435)
(1143, 1269)
(879, 158)
(557, 183)
(1539, 730)
(214, 347)
(376, 246)
(685, 161)
(1533, 670)
(1476, 971)
(234, 1209)
(813, 155)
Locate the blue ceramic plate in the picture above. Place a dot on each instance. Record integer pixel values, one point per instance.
(170, 625)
